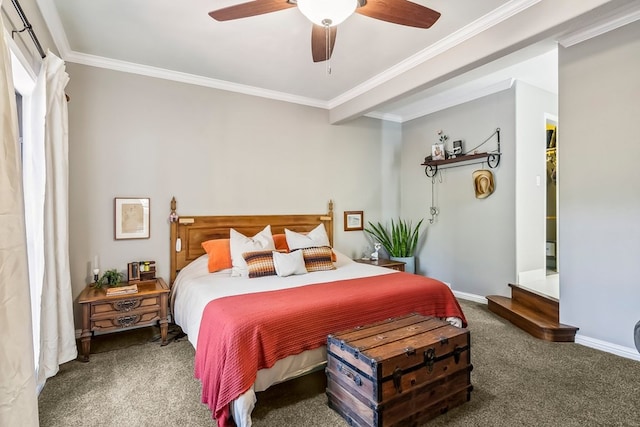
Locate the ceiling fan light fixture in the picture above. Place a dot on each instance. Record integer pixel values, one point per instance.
(327, 12)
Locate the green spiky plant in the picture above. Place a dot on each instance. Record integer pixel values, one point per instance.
(110, 278)
(401, 240)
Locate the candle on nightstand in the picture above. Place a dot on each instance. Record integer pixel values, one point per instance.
(96, 269)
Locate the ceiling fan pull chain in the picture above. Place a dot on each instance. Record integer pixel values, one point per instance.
(327, 31)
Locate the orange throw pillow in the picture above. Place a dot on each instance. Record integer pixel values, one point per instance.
(280, 241)
(219, 252)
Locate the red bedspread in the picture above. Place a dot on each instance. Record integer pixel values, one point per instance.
(242, 334)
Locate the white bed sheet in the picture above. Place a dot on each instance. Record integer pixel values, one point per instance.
(195, 287)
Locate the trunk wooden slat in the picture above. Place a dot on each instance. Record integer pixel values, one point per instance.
(400, 371)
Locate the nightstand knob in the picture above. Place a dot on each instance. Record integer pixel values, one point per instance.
(126, 321)
(126, 305)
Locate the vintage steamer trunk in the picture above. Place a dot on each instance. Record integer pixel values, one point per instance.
(398, 372)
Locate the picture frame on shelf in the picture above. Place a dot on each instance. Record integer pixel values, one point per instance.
(131, 218)
(437, 152)
(353, 220)
(457, 148)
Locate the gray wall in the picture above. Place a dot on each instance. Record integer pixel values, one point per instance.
(599, 185)
(217, 152)
(471, 243)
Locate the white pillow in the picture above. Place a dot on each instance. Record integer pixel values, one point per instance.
(239, 244)
(289, 263)
(316, 237)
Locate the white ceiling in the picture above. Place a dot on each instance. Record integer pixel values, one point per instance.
(270, 55)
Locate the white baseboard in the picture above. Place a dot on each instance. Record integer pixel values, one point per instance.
(470, 297)
(618, 350)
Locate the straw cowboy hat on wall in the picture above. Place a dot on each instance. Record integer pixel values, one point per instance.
(483, 183)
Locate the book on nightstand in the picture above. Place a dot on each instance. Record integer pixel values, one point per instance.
(122, 290)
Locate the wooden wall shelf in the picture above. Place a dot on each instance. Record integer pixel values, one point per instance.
(491, 158)
(431, 166)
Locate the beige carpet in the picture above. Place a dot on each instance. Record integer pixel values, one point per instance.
(518, 381)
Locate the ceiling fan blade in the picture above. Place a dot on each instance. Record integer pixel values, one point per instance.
(252, 8)
(319, 42)
(401, 12)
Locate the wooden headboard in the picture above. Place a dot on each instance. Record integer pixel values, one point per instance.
(193, 230)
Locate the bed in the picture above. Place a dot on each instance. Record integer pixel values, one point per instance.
(252, 332)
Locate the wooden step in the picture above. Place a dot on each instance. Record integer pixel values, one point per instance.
(545, 304)
(535, 322)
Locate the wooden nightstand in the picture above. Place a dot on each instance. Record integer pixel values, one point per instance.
(108, 314)
(382, 262)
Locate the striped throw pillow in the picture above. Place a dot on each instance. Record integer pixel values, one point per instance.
(317, 258)
(260, 263)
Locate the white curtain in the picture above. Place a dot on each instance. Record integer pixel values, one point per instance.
(33, 179)
(57, 332)
(18, 400)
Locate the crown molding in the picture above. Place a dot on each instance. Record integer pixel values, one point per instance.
(53, 22)
(619, 18)
(485, 22)
(56, 29)
(161, 73)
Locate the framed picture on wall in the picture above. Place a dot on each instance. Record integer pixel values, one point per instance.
(353, 220)
(131, 218)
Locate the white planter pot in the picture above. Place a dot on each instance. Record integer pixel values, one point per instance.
(409, 263)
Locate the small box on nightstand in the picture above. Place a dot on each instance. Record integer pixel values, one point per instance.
(140, 271)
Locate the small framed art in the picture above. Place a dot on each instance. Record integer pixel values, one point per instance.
(457, 148)
(437, 152)
(353, 220)
(131, 218)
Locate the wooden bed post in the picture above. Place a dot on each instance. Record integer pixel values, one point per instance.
(330, 228)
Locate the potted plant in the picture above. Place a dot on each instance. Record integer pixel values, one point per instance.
(400, 241)
(110, 278)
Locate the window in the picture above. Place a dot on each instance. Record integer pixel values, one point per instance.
(33, 167)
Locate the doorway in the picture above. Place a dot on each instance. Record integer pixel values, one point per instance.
(551, 220)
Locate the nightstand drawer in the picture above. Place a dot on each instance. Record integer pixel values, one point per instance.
(125, 305)
(125, 320)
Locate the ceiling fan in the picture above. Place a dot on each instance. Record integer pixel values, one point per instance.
(327, 14)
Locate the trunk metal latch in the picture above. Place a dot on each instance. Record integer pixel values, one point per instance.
(397, 379)
(429, 359)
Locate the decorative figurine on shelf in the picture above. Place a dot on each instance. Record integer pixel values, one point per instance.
(374, 255)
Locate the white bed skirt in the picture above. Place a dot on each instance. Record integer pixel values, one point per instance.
(284, 369)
